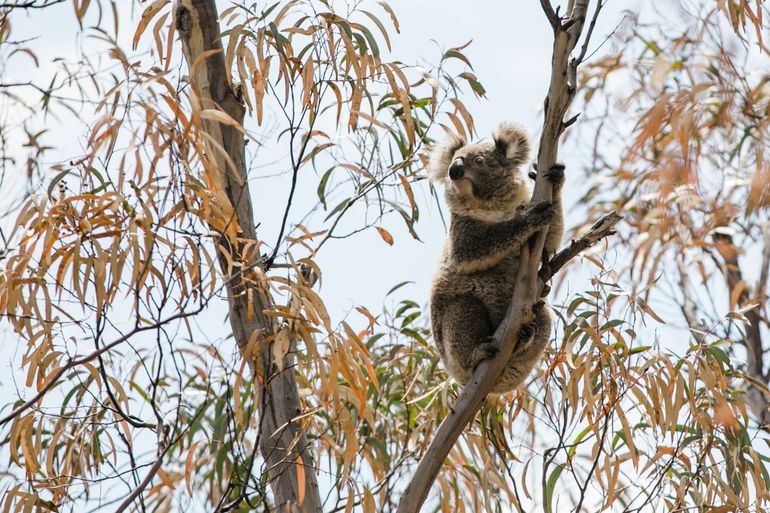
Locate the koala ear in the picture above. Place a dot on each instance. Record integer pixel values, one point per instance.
(441, 156)
(512, 143)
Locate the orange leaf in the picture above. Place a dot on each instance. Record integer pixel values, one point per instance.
(386, 236)
(408, 190)
(300, 480)
(147, 16)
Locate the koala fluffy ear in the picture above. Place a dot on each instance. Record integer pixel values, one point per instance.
(512, 142)
(441, 156)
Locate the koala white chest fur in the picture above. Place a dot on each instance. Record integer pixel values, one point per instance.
(487, 191)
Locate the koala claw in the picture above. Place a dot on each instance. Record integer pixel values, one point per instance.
(555, 174)
(526, 335)
(485, 351)
(527, 331)
(542, 213)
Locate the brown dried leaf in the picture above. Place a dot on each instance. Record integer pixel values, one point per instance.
(386, 236)
(147, 15)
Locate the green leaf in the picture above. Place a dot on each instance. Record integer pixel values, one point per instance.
(550, 485)
(372, 41)
(456, 54)
(336, 209)
(322, 186)
(611, 324)
(396, 287)
(140, 391)
(57, 179)
(476, 86)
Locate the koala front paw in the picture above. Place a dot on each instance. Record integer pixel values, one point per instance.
(484, 351)
(541, 214)
(524, 341)
(555, 175)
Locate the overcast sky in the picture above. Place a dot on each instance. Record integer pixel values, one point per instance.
(510, 52)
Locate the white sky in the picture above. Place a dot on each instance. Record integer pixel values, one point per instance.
(510, 53)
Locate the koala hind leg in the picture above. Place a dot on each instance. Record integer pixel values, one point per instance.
(528, 351)
(466, 335)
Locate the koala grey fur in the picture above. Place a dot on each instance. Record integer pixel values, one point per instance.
(488, 192)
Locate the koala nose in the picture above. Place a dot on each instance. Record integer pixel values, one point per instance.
(457, 169)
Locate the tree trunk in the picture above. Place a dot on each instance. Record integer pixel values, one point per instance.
(283, 443)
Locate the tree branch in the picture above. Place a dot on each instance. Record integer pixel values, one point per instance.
(688, 308)
(598, 231)
(529, 287)
(136, 492)
(56, 376)
(763, 269)
(740, 292)
(550, 14)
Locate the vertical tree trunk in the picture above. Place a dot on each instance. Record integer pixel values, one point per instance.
(283, 443)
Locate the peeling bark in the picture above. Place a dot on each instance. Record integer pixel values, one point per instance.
(283, 443)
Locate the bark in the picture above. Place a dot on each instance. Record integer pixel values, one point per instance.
(529, 286)
(283, 443)
(740, 292)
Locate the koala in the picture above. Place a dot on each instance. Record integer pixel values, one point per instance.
(488, 191)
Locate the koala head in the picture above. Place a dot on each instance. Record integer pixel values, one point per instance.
(484, 180)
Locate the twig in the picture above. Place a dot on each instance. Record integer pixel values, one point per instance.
(598, 231)
(590, 30)
(85, 359)
(553, 18)
(146, 481)
(688, 307)
(753, 340)
(763, 269)
(166, 444)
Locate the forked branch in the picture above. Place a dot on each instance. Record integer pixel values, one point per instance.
(602, 228)
(529, 286)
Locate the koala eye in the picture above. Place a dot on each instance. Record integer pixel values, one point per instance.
(478, 160)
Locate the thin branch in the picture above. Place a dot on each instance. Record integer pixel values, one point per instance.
(590, 30)
(763, 269)
(166, 444)
(53, 379)
(553, 18)
(30, 4)
(599, 230)
(723, 242)
(145, 482)
(688, 308)
(592, 470)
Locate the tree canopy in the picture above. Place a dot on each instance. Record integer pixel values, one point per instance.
(166, 318)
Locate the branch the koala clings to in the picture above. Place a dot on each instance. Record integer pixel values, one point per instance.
(488, 191)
